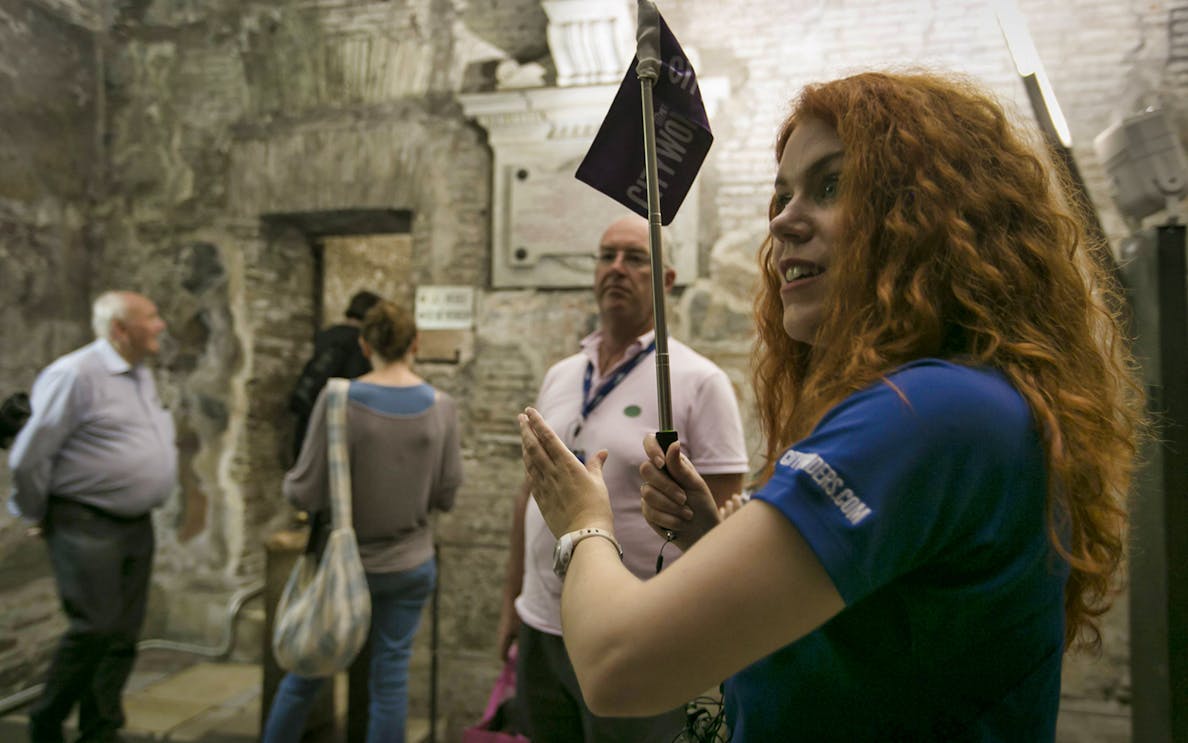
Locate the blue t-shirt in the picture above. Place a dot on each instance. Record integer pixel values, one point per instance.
(925, 503)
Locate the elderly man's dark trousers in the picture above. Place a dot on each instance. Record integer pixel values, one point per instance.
(102, 565)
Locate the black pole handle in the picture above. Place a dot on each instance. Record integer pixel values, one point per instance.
(665, 439)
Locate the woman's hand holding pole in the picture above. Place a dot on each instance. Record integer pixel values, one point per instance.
(675, 498)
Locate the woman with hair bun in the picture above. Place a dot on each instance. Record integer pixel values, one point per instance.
(405, 462)
(951, 416)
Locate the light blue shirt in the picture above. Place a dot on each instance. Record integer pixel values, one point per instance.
(98, 435)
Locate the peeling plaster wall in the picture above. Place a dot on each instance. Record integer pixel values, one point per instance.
(49, 168)
(219, 113)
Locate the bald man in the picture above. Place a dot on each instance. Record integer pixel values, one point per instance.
(604, 397)
(96, 456)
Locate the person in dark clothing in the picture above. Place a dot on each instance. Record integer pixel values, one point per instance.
(336, 354)
(14, 411)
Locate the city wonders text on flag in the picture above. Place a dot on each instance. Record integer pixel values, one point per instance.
(615, 162)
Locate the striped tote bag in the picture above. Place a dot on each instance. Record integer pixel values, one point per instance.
(324, 614)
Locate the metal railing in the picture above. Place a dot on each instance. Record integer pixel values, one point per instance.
(221, 650)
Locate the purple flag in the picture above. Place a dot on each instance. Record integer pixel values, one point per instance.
(615, 163)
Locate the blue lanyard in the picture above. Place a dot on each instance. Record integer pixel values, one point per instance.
(604, 389)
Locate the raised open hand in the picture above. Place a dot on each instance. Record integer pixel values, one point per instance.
(571, 495)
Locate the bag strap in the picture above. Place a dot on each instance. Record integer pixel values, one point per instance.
(337, 454)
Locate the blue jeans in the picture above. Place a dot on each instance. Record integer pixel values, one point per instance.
(396, 603)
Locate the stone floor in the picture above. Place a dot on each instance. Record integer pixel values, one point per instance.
(178, 699)
(173, 697)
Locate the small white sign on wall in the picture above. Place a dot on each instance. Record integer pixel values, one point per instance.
(445, 307)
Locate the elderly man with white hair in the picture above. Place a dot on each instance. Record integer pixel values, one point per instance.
(93, 460)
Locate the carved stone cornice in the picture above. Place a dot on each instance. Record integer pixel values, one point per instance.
(590, 40)
(540, 114)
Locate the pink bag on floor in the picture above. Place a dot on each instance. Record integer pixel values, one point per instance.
(496, 725)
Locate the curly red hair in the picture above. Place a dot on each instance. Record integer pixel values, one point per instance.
(968, 251)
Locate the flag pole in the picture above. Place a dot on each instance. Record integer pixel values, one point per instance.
(647, 37)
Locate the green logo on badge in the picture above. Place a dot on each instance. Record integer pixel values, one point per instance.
(632, 411)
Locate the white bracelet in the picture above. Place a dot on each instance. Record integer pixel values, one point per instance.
(563, 552)
(593, 531)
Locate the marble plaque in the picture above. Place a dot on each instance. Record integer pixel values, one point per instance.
(551, 223)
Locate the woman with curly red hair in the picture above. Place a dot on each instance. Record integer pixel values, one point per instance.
(951, 417)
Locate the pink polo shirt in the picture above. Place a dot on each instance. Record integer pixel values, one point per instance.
(705, 414)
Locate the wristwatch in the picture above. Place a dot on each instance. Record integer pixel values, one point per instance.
(563, 552)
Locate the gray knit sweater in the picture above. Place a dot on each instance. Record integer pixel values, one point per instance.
(402, 467)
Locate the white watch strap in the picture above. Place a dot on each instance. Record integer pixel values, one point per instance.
(580, 534)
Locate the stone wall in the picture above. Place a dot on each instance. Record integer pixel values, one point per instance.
(50, 167)
(377, 263)
(221, 115)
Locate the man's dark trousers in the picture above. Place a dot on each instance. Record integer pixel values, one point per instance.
(550, 707)
(102, 565)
